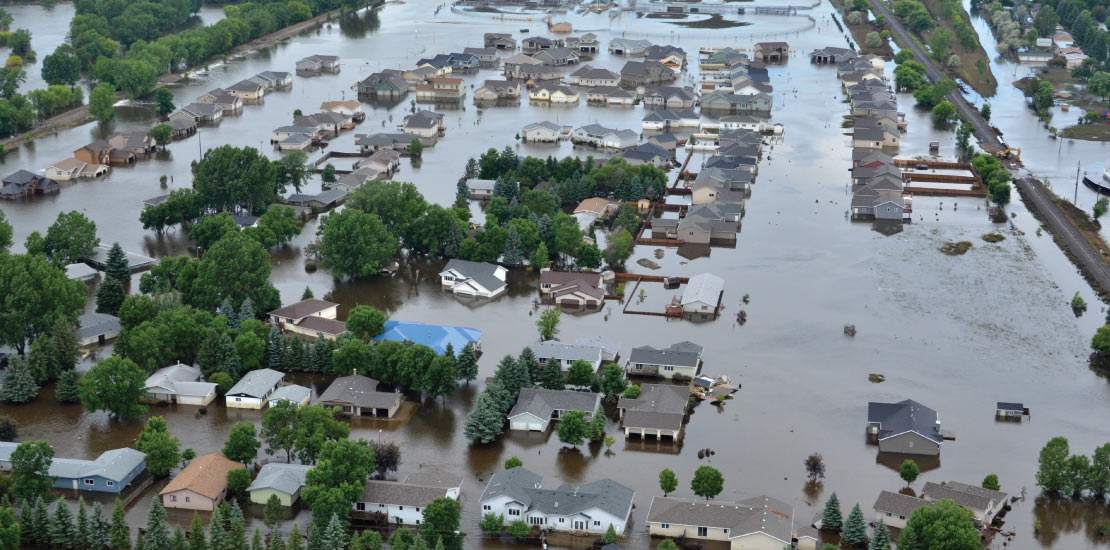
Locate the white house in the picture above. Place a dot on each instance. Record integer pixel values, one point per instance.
(517, 494)
(564, 354)
(254, 389)
(72, 169)
(542, 132)
(536, 407)
(895, 509)
(403, 502)
(473, 278)
(180, 384)
(760, 522)
(292, 393)
(702, 294)
(682, 359)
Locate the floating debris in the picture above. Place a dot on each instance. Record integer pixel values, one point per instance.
(850, 330)
(747, 298)
(742, 317)
(876, 378)
(994, 237)
(659, 252)
(647, 263)
(956, 249)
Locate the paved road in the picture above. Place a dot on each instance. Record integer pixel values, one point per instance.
(1089, 259)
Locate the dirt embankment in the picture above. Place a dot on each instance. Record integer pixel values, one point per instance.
(80, 115)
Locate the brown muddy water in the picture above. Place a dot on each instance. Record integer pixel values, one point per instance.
(955, 333)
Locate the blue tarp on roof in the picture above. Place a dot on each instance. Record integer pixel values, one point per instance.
(434, 336)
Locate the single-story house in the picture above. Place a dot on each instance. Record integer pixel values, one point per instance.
(283, 480)
(308, 317)
(657, 413)
(564, 354)
(487, 57)
(610, 95)
(545, 131)
(111, 472)
(80, 272)
(494, 90)
(320, 201)
(643, 73)
(895, 509)
(591, 508)
(385, 84)
(553, 93)
(875, 138)
(426, 124)
(72, 169)
(1009, 410)
(437, 337)
(670, 97)
(227, 101)
(202, 485)
(627, 46)
(179, 384)
(358, 395)
(254, 389)
(760, 522)
(480, 189)
(906, 427)
(703, 294)
(273, 79)
(349, 108)
(572, 288)
(593, 77)
(182, 128)
(984, 504)
(682, 358)
(771, 52)
(23, 184)
(96, 328)
(536, 407)
(136, 143)
(403, 502)
(538, 43)
(291, 393)
(499, 40)
(318, 63)
(97, 152)
(473, 278)
(832, 55)
(199, 112)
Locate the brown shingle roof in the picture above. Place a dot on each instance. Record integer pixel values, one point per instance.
(304, 308)
(205, 475)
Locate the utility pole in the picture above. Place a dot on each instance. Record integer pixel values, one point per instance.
(1075, 199)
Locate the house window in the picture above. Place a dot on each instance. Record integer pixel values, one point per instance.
(486, 507)
(237, 399)
(418, 509)
(90, 482)
(901, 517)
(703, 531)
(726, 531)
(561, 520)
(381, 506)
(596, 523)
(186, 499)
(665, 525)
(173, 498)
(513, 512)
(400, 507)
(110, 483)
(668, 368)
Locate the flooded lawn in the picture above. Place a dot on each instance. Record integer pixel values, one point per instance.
(956, 333)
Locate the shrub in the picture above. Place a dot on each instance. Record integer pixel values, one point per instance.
(854, 18)
(310, 266)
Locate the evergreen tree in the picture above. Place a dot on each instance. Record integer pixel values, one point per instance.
(256, 540)
(855, 529)
(234, 512)
(41, 535)
(19, 384)
(610, 535)
(178, 540)
(295, 541)
(831, 520)
(26, 521)
(217, 533)
(82, 524)
(117, 267)
(595, 431)
(531, 365)
(467, 364)
(196, 534)
(462, 194)
(335, 535)
(157, 536)
(513, 255)
(307, 294)
(99, 529)
(236, 535)
(62, 531)
(553, 378)
(371, 540)
(294, 355)
(275, 348)
(246, 310)
(228, 311)
(66, 392)
(276, 542)
(109, 296)
(315, 537)
(880, 537)
(453, 241)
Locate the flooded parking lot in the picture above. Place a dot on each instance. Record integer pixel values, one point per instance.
(956, 333)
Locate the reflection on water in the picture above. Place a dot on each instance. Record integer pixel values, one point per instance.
(1059, 516)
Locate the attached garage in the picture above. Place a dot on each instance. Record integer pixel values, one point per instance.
(528, 422)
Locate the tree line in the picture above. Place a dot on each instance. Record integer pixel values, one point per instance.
(1060, 473)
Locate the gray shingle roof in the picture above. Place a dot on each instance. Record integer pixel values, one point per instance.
(704, 287)
(552, 349)
(542, 402)
(970, 497)
(524, 486)
(759, 514)
(682, 354)
(481, 272)
(659, 406)
(287, 478)
(113, 465)
(898, 504)
(514, 483)
(904, 416)
(292, 392)
(357, 390)
(256, 383)
(96, 324)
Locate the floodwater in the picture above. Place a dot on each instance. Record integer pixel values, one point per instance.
(954, 332)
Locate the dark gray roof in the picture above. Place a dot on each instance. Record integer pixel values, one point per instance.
(668, 92)
(545, 124)
(542, 402)
(1007, 406)
(682, 354)
(904, 416)
(303, 308)
(898, 504)
(323, 325)
(759, 514)
(95, 324)
(481, 272)
(357, 390)
(401, 494)
(659, 406)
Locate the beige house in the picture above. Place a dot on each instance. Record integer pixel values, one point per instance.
(202, 485)
(758, 523)
(310, 317)
(656, 414)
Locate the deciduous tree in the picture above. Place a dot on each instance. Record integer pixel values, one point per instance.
(114, 385)
(242, 443)
(33, 294)
(102, 102)
(30, 471)
(162, 449)
(668, 482)
(356, 244)
(707, 482)
(942, 526)
(909, 471)
(366, 322)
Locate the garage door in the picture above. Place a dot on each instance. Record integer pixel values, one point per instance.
(535, 426)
